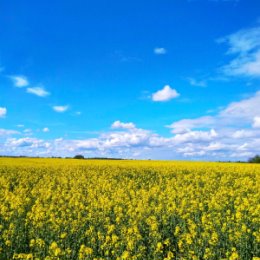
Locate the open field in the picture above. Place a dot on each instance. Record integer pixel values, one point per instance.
(78, 209)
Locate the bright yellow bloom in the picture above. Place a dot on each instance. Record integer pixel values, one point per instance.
(59, 209)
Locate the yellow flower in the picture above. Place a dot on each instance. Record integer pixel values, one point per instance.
(234, 256)
(125, 255)
(159, 247)
(120, 207)
(63, 235)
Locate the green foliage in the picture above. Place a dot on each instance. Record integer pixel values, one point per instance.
(255, 159)
(79, 156)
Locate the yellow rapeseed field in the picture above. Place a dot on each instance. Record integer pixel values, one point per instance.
(139, 210)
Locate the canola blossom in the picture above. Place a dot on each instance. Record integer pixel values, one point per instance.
(54, 209)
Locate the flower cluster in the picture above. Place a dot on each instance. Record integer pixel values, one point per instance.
(56, 209)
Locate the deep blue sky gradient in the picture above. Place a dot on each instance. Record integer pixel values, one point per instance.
(97, 57)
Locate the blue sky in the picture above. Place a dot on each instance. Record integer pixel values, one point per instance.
(160, 80)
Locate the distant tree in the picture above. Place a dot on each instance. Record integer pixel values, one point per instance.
(79, 156)
(255, 159)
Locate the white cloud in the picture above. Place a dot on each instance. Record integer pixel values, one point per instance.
(60, 109)
(57, 140)
(223, 136)
(198, 83)
(245, 109)
(246, 66)
(215, 146)
(19, 81)
(119, 124)
(235, 114)
(245, 46)
(20, 125)
(243, 133)
(90, 144)
(136, 137)
(160, 51)
(45, 129)
(27, 130)
(141, 143)
(195, 136)
(38, 91)
(3, 112)
(5, 132)
(231, 130)
(256, 123)
(243, 41)
(165, 94)
(185, 125)
(26, 142)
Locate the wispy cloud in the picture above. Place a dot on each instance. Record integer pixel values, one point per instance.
(121, 56)
(185, 125)
(45, 129)
(160, 50)
(244, 45)
(198, 83)
(38, 91)
(6, 132)
(165, 94)
(28, 131)
(120, 125)
(3, 112)
(60, 109)
(19, 81)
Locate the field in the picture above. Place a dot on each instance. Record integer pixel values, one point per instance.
(138, 210)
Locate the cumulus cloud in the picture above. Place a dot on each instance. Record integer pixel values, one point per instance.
(45, 129)
(90, 144)
(165, 94)
(142, 143)
(228, 130)
(233, 115)
(19, 81)
(137, 137)
(256, 123)
(38, 91)
(160, 51)
(195, 136)
(223, 136)
(3, 112)
(244, 46)
(243, 133)
(118, 124)
(27, 142)
(60, 109)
